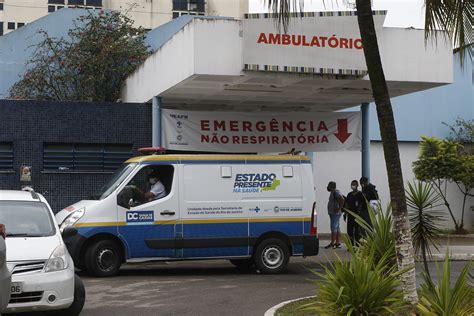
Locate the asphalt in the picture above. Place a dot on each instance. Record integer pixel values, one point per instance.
(216, 287)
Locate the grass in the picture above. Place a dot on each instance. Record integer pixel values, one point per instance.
(294, 308)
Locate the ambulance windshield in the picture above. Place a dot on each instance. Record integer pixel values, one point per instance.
(117, 178)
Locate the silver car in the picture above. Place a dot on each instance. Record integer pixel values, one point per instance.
(5, 277)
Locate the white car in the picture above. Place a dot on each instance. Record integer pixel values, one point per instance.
(42, 270)
(5, 277)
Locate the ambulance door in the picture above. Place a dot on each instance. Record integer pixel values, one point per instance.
(148, 224)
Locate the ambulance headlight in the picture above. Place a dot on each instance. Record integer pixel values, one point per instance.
(72, 218)
(58, 260)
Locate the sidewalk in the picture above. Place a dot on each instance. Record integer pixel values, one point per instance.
(461, 247)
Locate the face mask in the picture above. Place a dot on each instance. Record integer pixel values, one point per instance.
(354, 187)
(152, 180)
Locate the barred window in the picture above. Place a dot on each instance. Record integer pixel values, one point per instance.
(6, 156)
(84, 157)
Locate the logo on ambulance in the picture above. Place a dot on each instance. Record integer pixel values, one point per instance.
(140, 218)
(255, 182)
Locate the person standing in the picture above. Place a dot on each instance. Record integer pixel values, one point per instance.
(335, 204)
(354, 202)
(370, 194)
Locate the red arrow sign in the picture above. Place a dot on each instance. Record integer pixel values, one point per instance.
(342, 133)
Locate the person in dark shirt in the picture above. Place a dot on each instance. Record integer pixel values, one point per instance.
(354, 203)
(370, 194)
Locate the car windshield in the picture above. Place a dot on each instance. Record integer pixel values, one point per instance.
(117, 178)
(26, 219)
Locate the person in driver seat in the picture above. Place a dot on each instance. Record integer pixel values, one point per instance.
(157, 190)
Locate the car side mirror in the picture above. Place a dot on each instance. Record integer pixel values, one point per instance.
(69, 232)
(130, 203)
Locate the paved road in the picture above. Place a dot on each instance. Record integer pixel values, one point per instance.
(202, 288)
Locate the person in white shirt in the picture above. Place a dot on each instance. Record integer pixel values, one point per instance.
(157, 190)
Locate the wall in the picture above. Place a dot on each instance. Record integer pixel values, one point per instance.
(423, 113)
(343, 167)
(29, 124)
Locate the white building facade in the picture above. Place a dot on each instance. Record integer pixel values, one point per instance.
(146, 13)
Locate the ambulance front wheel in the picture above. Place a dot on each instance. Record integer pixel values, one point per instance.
(103, 258)
(272, 256)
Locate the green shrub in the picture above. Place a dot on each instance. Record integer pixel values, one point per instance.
(425, 219)
(379, 238)
(360, 286)
(368, 284)
(444, 300)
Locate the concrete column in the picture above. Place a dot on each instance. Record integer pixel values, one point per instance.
(365, 140)
(156, 122)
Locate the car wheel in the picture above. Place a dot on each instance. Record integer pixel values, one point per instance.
(272, 256)
(103, 259)
(79, 300)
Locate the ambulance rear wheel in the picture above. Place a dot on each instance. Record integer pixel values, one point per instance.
(272, 256)
(103, 258)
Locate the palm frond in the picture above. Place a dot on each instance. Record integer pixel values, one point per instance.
(282, 9)
(453, 16)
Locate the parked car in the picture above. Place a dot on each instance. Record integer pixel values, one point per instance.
(5, 277)
(42, 270)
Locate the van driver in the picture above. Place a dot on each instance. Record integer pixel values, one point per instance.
(157, 190)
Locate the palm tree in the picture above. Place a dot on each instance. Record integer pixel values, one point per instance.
(454, 16)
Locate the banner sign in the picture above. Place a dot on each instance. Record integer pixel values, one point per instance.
(260, 132)
(316, 42)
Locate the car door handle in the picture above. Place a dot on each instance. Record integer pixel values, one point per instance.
(167, 213)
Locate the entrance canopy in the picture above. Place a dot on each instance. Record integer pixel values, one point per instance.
(207, 63)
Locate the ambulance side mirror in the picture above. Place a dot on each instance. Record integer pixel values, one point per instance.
(130, 203)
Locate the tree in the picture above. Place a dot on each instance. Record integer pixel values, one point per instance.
(102, 50)
(455, 17)
(444, 161)
(462, 131)
(402, 233)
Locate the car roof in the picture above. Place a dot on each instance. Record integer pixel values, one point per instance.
(17, 195)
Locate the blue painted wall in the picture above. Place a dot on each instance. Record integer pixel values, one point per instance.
(423, 113)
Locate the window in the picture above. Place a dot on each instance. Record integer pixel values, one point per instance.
(180, 5)
(94, 3)
(56, 1)
(185, 7)
(51, 8)
(11, 25)
(1, 28)
(6, 156)
(20, 24)
(75, 2)
(84, 157)
(142, 190)
(1, 6)
(27, 219)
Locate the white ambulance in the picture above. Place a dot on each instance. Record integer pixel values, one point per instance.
(250, 209)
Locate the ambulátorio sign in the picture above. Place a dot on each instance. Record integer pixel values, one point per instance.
(317, 42)
(260, 132)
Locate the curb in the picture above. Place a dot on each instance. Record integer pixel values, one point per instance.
(271, 311)
(442, 257)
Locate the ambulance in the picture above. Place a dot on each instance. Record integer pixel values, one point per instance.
(255, 210)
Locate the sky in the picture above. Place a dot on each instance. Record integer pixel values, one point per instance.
(401, 13)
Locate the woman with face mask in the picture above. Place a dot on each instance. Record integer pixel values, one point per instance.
(354, 202)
